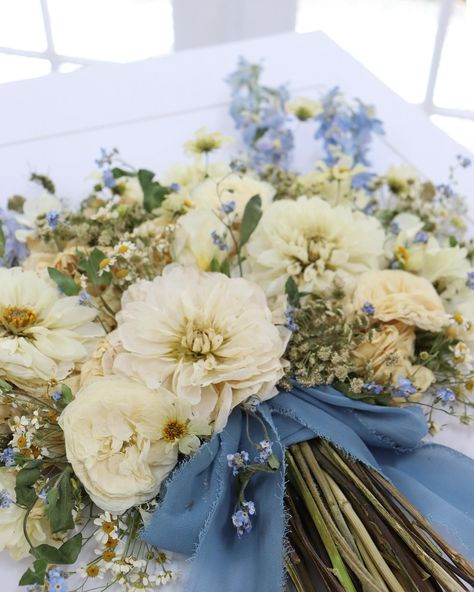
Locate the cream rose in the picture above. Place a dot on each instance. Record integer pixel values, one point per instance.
(208, 338)
(115, 443)
(389, 355)
(401, 296)
(12, 538)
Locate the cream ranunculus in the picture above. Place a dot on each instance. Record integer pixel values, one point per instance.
(42, 333)
(212, 193)
(116, 443)
(401, 296)
(208, 338)
(312, 242)
(12, 538)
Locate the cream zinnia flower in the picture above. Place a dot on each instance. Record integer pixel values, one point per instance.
(117, 443)
(42, 333)
(401, 296)
(206, 337)
(311, 241)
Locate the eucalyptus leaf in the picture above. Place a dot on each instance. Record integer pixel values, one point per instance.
(65, 283)
(250, 219)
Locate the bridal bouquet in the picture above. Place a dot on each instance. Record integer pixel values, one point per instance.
(237, 361)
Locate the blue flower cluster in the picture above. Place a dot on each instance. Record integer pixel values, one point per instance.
(265, 451)
(5, 500)
(404, 388)
(470, 280)
(14, 251)
(55, 581)
(105, 162)
(259, 111)
(7, 457)
(218, 241)
(290, 319)
(53, 218)
(346, 128)
(368, 309)
(374, 387)
(445, 394)
(228, 207)
(421, 237)
(241, 518)
(238, 461)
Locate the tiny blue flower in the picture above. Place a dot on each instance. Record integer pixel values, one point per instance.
(218, 241)
(464, 161)
(368, 309)
(5, 500)
(445, 394)
(241, 518)
(265, 451)
(290, 320)
(176, 187)
(56, 395)
(43, 496)
(374, 387)
(229, 207)
(421, 237)
(405, 388)
(238, 461)
(53, 219)
(470, 280)
(394, 228)
(251, 404)
(84, 297)
(7, 457)
(108, 178)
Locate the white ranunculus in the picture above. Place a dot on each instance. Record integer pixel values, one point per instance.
(12, 538)
(116, 441)
(401, 296)
(208, 338)
(212, 193)
(42, 333)
(312, 242)
(32, 208)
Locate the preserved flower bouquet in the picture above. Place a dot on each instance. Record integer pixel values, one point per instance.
(238, 361)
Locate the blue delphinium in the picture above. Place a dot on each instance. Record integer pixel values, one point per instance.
(345, 128)
(14, 251)
(259, 112)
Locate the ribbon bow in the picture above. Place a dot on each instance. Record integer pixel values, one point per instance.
(194, 517)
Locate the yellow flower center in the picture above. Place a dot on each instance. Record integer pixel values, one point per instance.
(458, 318)
(123, 249)
(174, 430)
(108, 527)
(104, 263)
(18, 318)
(108, 555)
(402, 254)
(201, 342)
(92, 571)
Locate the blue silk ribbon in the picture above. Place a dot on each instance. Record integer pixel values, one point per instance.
(194, 516)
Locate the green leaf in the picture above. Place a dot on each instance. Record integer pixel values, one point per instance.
(93, 266)
(4, 386)
(35, 576)
(65, 555)
(117, 172)
(2, 240)
(66, 393)
(214, 265)
(250, 219)
(65, 283)
(61, 504)
(291, 290)
(153, 192)
(24, 487)
(225, 267)
(273, 462)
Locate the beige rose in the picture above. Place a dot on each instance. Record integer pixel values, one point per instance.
(114, 442)
(401, 296)
(389, 355)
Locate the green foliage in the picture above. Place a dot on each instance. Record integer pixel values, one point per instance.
(92, 267)
(291, 290)
(25, 481)
(35, 575)
(67, 553)
(61, 503)
(64, 282)
(5, 387)
(250, 219)
(153, 192)
(44, 182)
(117, 172)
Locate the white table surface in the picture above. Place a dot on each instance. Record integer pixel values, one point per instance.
(148, 109)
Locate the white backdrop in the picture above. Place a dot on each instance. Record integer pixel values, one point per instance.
(56, 125)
